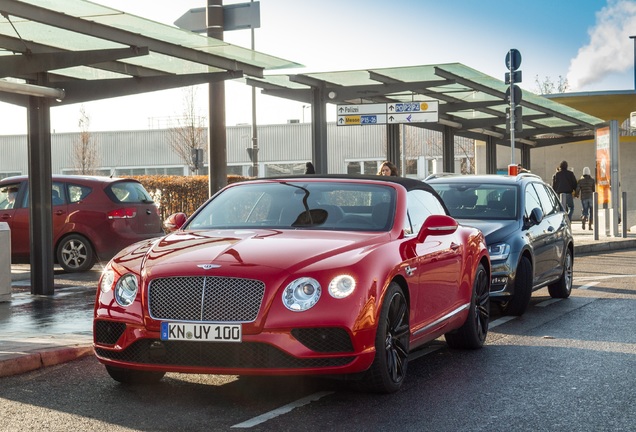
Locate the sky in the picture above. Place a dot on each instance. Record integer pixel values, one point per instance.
(586, 42)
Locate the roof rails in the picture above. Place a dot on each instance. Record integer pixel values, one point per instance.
(528, 174)
(442, 174)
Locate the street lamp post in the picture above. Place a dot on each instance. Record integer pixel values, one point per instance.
(254, 126)
(634, 37)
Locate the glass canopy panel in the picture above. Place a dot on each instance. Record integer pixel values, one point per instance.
(410, 73)
(60, 39)
(344, 78)
(281, 81)
(53, 37)
(138, 27)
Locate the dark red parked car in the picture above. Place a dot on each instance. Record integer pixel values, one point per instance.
(93, 218)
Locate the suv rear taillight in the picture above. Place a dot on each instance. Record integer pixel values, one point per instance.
(122, 213)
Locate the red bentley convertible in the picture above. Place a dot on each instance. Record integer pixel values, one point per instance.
(332, 275)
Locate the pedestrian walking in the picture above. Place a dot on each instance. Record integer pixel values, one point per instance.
(585, 191)
(564, 182)
(309, 168)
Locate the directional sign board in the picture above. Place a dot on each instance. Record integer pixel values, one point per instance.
(235, 17)
(383, 113)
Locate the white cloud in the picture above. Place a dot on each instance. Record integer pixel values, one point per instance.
(610, 49)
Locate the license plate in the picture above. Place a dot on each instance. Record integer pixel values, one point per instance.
(201, 332)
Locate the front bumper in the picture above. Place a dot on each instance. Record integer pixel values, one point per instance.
(328, 350)
(501, 281)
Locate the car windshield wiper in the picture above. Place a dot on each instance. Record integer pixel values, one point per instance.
(306, 218)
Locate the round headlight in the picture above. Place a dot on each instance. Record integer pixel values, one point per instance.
(301, 294)
(108, 277)
(126, 289)
(342, 286)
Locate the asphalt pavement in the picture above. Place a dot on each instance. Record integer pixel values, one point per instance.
(40, 331)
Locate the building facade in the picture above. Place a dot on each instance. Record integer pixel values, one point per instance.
(283, 149)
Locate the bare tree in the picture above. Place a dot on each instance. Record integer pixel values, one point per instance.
(187, 134)
(547, 86)
(431, 146)
(85, 155)
(467, 148)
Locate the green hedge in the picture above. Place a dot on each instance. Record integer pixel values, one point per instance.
(179, 193)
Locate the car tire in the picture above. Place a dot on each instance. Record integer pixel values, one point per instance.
(388, 370)
(472, 334)
(520, 299)
(563, 287)
(75, 254)
(131, 376)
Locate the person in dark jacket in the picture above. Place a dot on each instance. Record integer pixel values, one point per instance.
(309, 168)
(564, 182)
(585, 190)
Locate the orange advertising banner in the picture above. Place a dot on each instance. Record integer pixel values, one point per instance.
(603, 170)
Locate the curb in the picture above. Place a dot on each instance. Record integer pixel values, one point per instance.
(604, 246)
(23, 363)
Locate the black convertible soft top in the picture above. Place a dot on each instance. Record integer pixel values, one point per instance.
(406, 182)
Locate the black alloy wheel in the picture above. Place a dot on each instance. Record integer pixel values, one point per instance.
(520, 299)
(388, 370)
(563, 287)
(472, 334)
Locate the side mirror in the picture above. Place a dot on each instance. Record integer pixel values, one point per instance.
(437, 225)
(174, 222)
(536, 216)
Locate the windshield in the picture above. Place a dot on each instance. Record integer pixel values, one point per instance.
(479, 201)
(300, 205)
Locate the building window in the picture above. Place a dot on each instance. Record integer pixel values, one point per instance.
(9, 174)
(278, 169)
(368, 167)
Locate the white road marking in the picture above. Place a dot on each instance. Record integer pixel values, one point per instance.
(314, 397)
(590, 285)
(586, 278)
(282, 410)
(500, 321)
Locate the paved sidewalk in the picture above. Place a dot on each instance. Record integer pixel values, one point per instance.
(39, 331)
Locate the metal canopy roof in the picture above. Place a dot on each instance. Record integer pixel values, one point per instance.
(94, 52)
(608, 105)
(71, 51)
(472, 103)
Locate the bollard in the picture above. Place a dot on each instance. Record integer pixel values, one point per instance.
(595, 213)
(5, 262)
(624, 212)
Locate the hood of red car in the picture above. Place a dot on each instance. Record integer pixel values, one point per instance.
(289, 249)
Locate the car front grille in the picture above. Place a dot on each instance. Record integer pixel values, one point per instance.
(205, 298)
(246, 355)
